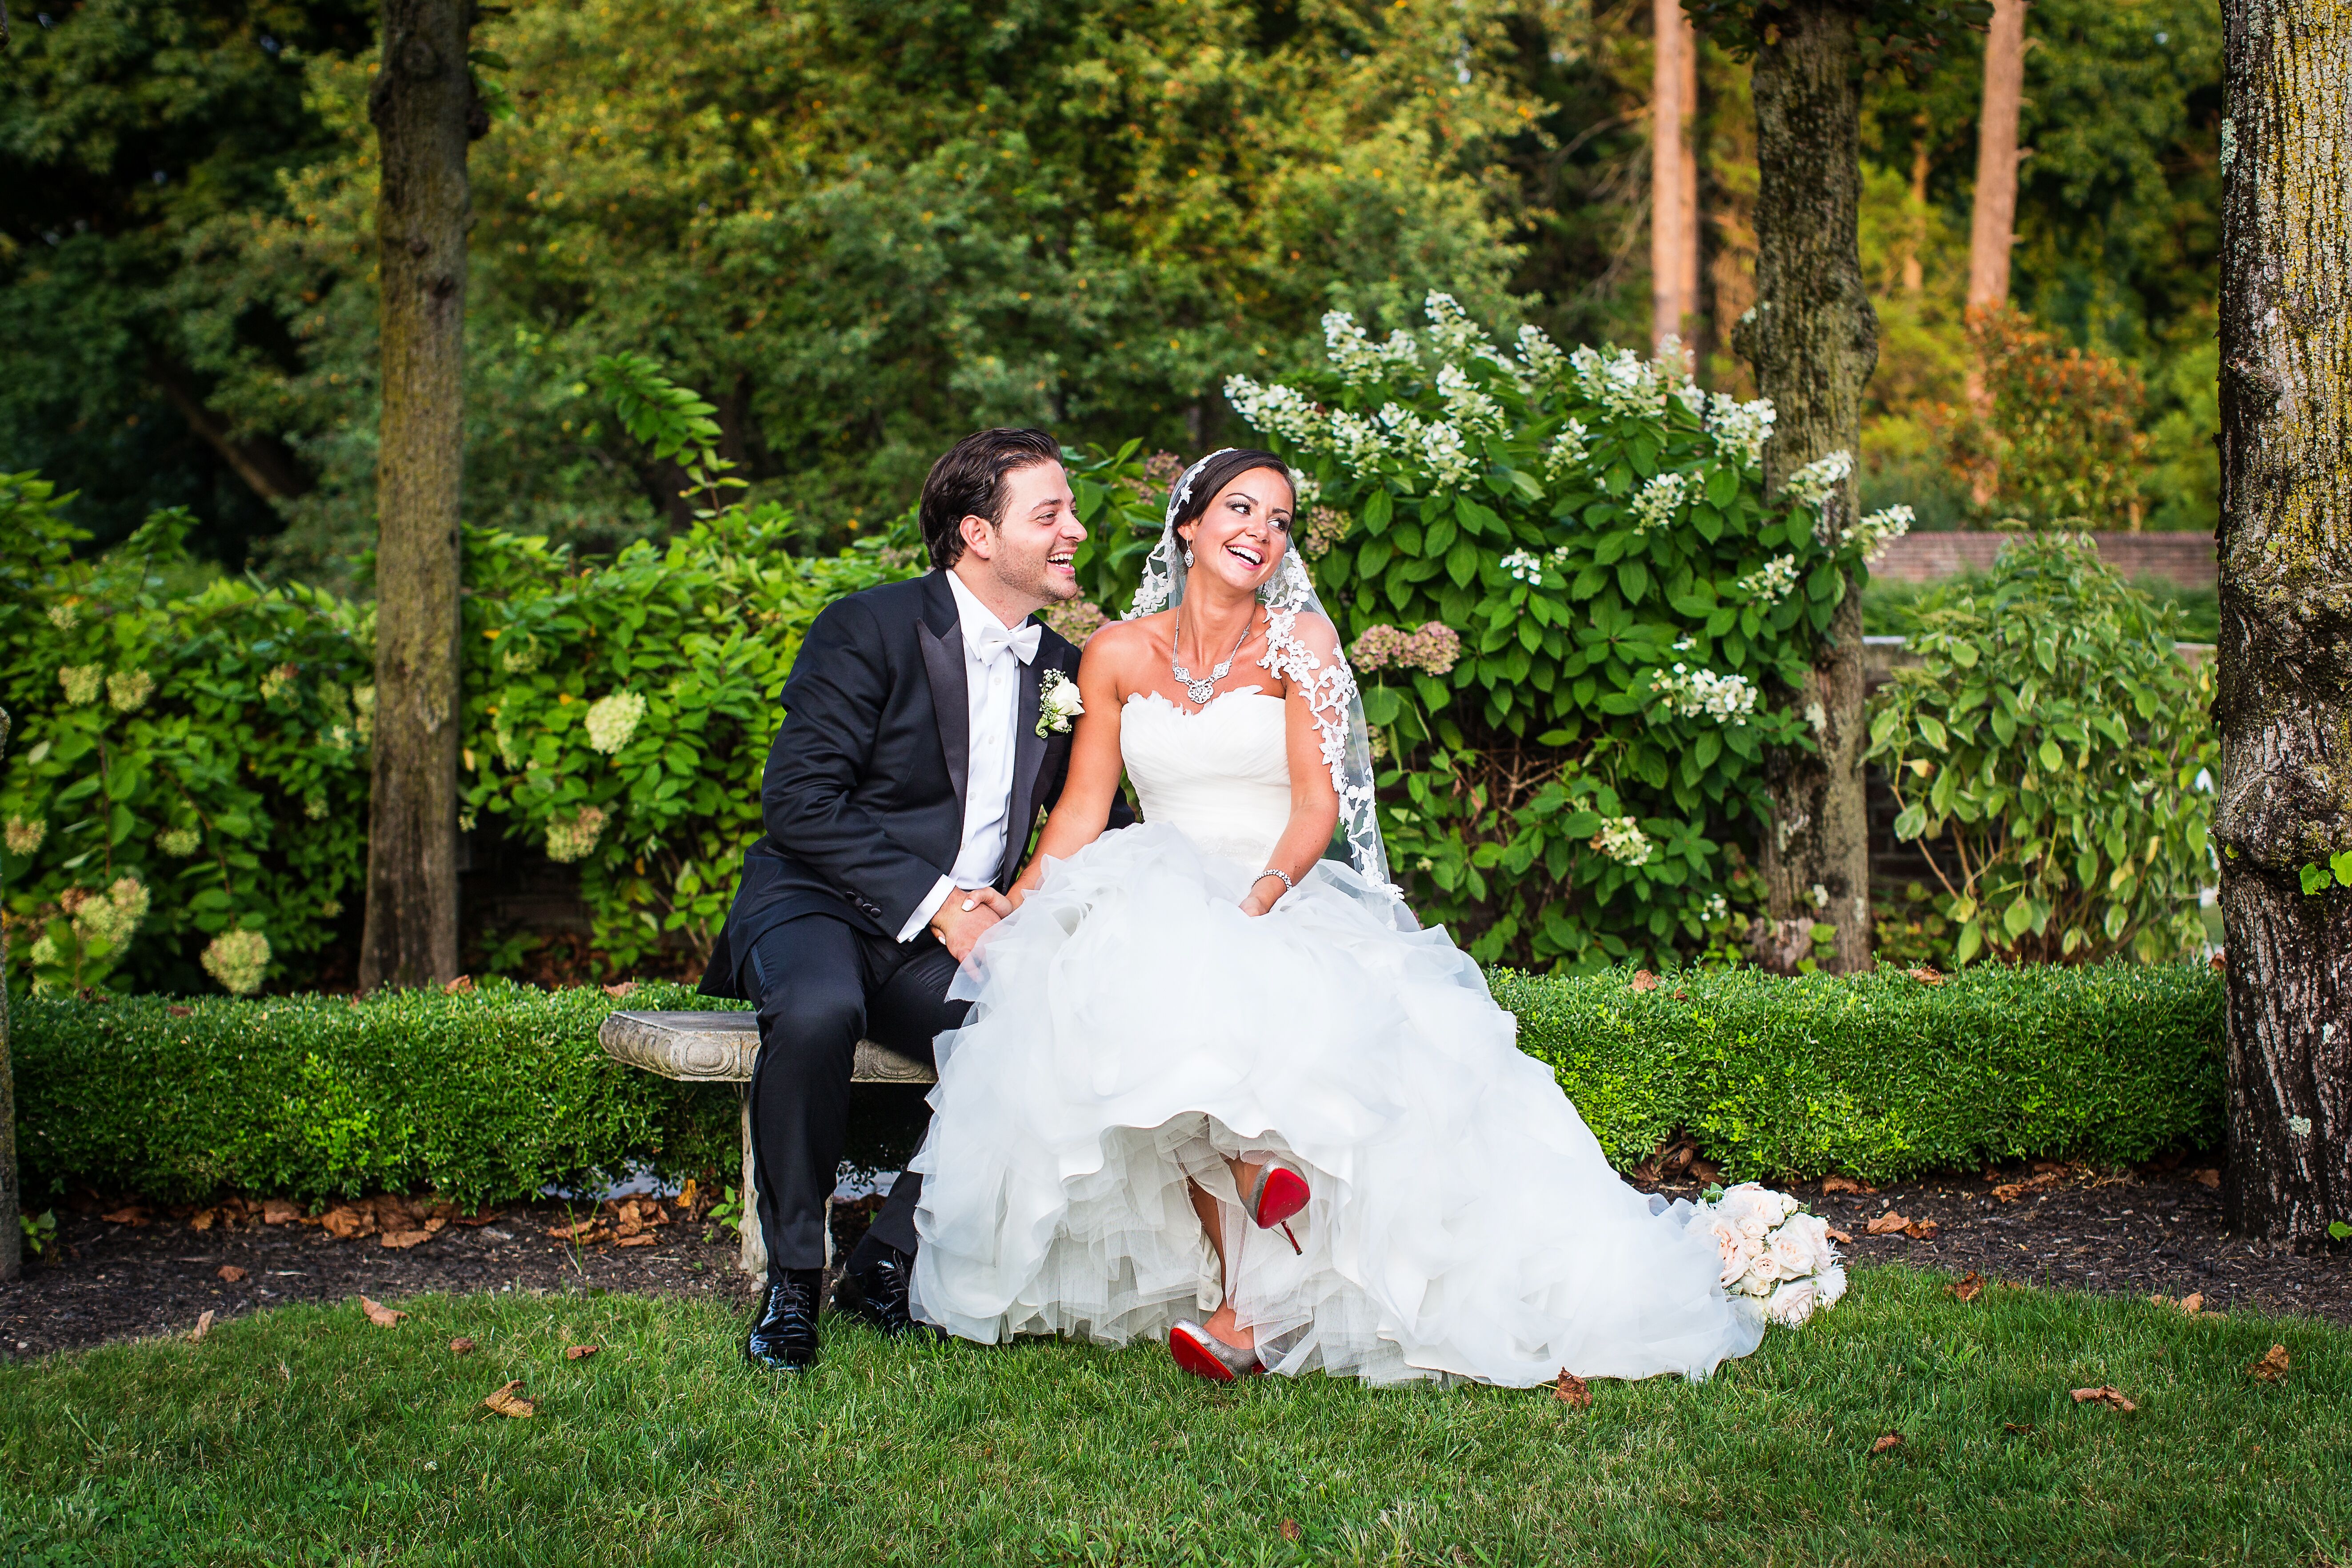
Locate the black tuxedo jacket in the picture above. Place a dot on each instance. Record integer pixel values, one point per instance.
(864, 793)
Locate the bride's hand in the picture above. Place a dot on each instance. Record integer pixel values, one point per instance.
(1254, 906)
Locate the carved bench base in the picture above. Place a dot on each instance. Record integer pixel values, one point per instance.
(720, 1047)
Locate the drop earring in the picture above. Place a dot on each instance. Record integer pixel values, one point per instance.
(1188, 558)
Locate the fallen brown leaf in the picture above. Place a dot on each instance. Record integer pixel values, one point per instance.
(129, 1214)
(204, 1326)
(1835, 1234)
(177, 1011)
(507, 1402)
(623, 989)
(343, 1222)
(2207, 1178)
(687, 1195)
(1290, 1530)
(405, 1238)
(203, 1219)
(381, 1316)
(1927, 976)
(1644, 981)
(643, 1238)
(1571, 1391)
(459, 986)
(487, 1216)
(1833, 1182)
(1921, 1230)
(574, 1232)
(1705, 1170)
(278, 1211)
(580, 1352)
(1892, 1440)
(2015, 1427)
(2193, 1303)
(231, 1272)
(2108, 1394)
(1967, 1286)
(461, 1345)
(2271, 1367)
(1888, 1224)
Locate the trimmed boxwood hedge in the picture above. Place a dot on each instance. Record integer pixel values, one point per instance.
(491, 1095)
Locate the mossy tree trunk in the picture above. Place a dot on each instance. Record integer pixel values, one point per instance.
(1812, 339)
(423, 110)
(12, 1236)
(2284, 703)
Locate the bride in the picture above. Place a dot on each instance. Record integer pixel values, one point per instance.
(1216, 1087)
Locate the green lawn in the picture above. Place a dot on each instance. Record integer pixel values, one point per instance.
(310, 1435)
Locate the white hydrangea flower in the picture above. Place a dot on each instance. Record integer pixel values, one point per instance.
(315, 808)
(1404, 426)
(1452, 333)
(1770, 583)
(112, 917)
(63, 616)
(1280, 411)
(518, 656)
(1448, 457)
(1818, 479)
(1523, 566)
(1465, 406)
(1716, 908)
(1654, 506)
(43, 951)
(1620, 381)
(612, 719)
(1568, 450)
(237, 959)
(276, 682)
(1702, 693)
(364, 706)
(338, 737)
(1622, 839)
(1357, 358)
(1879, 529)
(1741, 429)
(1305, 489)
(24, 837)
(574, 837)
(178, 842)
(1355, 440)
(81, 682)
(1539, 358)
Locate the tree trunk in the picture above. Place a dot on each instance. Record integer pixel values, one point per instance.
(2284, 704)
(1993, 220)
(1812, 339)
(423, 106)
(1674, 178)
(1915, 265)
(12, 1236)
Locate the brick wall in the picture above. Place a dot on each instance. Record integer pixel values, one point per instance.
(2187, 559)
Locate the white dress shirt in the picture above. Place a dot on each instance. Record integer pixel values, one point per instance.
(993, 654)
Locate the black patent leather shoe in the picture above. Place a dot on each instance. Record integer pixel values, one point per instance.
(876, 1295)
(784, 1335)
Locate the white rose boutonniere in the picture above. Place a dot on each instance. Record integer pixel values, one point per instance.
(1058, 703)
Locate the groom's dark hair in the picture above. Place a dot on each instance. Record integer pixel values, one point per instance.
(968, 482)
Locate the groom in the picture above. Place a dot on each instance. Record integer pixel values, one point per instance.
(899, 800)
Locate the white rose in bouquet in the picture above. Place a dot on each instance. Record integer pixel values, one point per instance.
(1791, 1249)
(1794, 1301)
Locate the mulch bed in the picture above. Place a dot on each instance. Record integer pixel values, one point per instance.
(146, 1271)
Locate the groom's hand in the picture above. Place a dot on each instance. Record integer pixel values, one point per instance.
(967, 913)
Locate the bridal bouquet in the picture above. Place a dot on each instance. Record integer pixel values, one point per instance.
(1774, 1251)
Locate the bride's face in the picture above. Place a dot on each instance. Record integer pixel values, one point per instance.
(1241, 538)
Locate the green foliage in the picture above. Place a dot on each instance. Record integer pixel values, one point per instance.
(672, 421)
(1881, 1075)
(191, 761)
(486, 1097)
(2052, 754)
(1593, 530)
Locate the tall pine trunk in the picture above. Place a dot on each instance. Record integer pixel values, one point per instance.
(423, 107)
(1674, 178)
(2285, 699)
(12, 1236)
(1992, 217)
(1812, 339)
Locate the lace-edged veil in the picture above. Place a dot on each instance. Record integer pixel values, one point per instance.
(1331, 689)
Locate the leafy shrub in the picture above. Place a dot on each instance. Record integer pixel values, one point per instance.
(488, 1097)
(192, 764)
(1593, 528)
(1881, 1075)
(2061, 443)
(2052, 755)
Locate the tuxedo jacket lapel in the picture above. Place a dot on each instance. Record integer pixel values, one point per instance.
(1028, 753)
(940, 635)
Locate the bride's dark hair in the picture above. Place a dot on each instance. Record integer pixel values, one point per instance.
(1224, 470)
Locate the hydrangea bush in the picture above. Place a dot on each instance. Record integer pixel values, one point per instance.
(1570, 764)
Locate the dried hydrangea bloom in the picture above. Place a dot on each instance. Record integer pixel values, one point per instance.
(1434, 648)
(25, 837)
(1622, 839)
(612, 719)
(1325, 528)
(178, 842)
(1075, 620)
(238, 960)
(127, 690)
(574, 837)
(81, 682)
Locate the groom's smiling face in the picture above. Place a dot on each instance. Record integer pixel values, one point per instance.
(1031, 553)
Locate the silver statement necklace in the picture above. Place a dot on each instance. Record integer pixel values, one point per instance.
(1200, 691)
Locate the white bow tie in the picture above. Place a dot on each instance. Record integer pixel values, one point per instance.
(987, 642)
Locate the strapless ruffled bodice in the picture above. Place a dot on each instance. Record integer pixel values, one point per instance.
(1221, 776)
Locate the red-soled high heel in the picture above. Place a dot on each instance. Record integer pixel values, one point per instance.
(1280, 1195)
(1202, 1354)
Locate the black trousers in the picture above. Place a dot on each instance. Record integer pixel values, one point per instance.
(823, 986)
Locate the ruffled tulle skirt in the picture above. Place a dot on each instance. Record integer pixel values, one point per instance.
(1132, 1029)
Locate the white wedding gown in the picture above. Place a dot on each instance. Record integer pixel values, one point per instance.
(1130, 1025)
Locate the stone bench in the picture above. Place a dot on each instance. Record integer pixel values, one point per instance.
(720, 1047)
